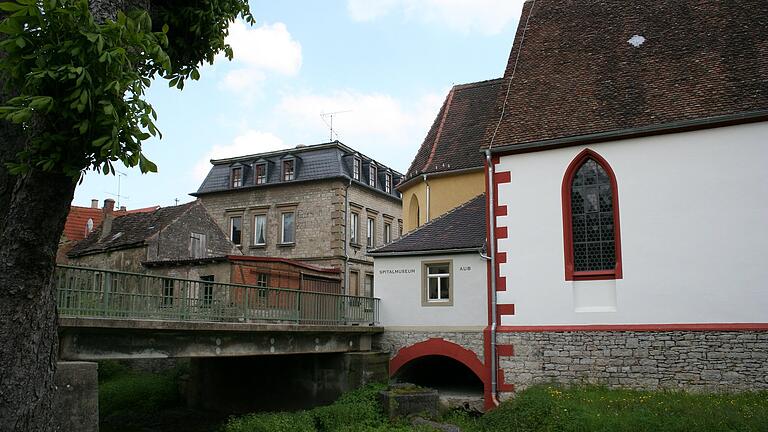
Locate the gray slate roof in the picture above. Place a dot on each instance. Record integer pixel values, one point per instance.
(130, 230)
(460, 228)
(314, 162)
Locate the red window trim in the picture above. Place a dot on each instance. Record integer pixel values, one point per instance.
(570, 274)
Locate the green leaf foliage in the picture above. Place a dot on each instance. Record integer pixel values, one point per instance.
(81, 85)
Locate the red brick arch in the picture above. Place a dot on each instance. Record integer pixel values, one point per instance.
(440, 347)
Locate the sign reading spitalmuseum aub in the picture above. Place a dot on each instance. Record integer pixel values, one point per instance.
(396, 271)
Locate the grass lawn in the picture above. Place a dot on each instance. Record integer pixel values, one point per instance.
(540, 408)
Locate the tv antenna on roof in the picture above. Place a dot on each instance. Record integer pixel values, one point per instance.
(119, 174)
(329, 123)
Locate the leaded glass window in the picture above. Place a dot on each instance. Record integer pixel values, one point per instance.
(592, 219)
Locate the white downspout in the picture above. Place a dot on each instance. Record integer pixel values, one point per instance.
(426, 183)
(492, 250)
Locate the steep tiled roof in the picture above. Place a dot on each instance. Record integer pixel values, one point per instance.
(459, 130)
(130, 230)
(460, 228)
(314, 162)
(599, 66)
(77, 220)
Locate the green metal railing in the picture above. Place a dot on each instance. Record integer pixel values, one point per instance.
(98, 293)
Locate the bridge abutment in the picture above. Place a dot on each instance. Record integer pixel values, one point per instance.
(279, 382)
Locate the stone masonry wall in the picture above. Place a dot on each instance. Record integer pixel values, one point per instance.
(689, 360)
(393, 341)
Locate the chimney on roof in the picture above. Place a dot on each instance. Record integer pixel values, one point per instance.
(94, 203)
(122, 208)
(106, 225)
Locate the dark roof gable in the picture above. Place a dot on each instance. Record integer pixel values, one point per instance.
(459, 130)
(598, 66)
(460, 228)
(130, 230)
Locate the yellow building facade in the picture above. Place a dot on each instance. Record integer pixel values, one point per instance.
(428, 196)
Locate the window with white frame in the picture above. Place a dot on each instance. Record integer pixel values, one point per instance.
(288, 227)
(197, 245)
(388, 183)
(354, 219)
(289, 169)
(370, 240)
(437, 288)
(372, 175)
(387, 232)
(356, 168)
(260, 230)
(261, 173)
(237, 177)
(236, 229)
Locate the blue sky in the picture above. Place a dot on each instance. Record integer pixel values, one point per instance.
(389, 63)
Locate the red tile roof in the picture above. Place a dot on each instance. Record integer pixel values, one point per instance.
(460, 129)
(77, 220)
(600, 66)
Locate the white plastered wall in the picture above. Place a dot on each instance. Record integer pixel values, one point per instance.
(694, 232)
(398, 283)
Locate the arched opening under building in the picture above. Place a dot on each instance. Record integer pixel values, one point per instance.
(457, 384)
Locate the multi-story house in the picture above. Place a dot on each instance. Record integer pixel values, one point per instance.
(325, 204)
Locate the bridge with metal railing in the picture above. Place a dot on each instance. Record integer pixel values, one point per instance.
(115, 314)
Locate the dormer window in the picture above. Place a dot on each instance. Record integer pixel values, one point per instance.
(388, 183)
(237, 177)
(289, 169)
(372, 175)
(356, 168)
(261, 173)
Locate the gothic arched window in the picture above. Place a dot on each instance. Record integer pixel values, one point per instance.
(591, 219)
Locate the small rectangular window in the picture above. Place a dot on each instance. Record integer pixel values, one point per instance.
(353, 227)
(197, 247)
(437, 284)
(235, 229)
(354, 284)
(237, 177)
(207, 298)
(262, 281)
(372, 175)
(287, 231)
(356, 169)
(261, 173)
(368, 285)
(387, 232)
(371, 233)
(289, 169)
(260, 229)
(168, 292)
(388, 183)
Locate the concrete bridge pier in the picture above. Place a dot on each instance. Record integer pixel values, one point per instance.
(279, 382)
(76, 403)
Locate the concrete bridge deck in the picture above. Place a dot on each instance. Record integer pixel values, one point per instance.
(109, 338)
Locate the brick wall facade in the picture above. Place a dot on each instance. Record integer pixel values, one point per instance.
(393, 341)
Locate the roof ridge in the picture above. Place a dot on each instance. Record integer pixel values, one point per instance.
(439, 129)
(475, 84)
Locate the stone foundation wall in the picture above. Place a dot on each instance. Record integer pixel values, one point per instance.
(689, 360)
(394, 340)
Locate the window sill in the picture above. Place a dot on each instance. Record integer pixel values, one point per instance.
(286, 245)
(355, 245)
(594, 275)
(258, 246)
(437, 303)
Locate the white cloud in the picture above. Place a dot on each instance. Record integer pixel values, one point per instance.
(249, 142)
(377, 124)
(484, 16)
(268, 48)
